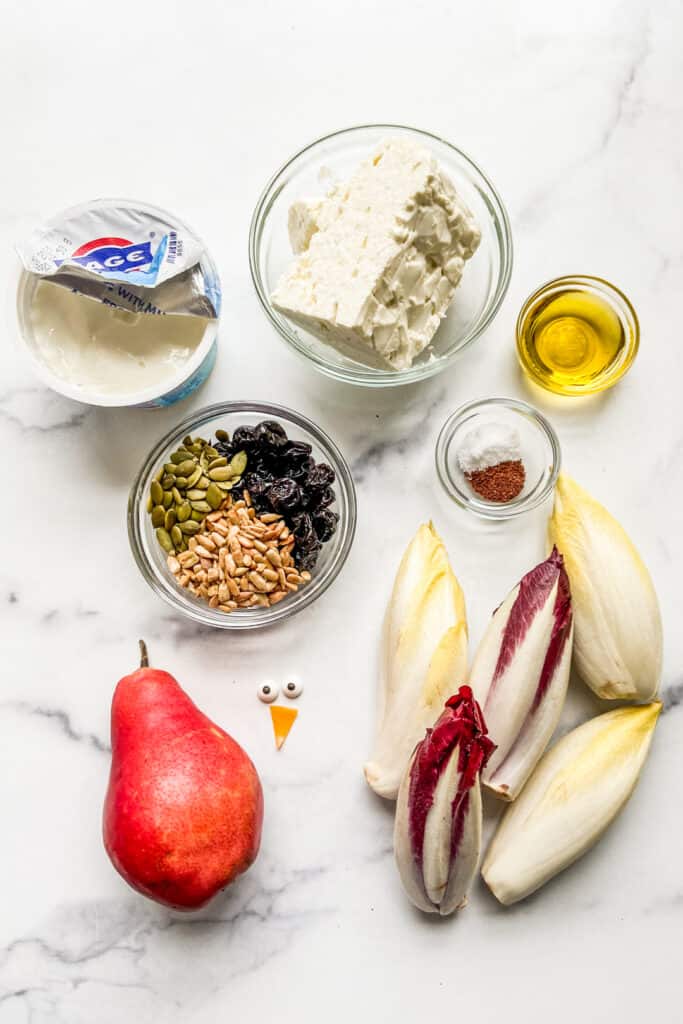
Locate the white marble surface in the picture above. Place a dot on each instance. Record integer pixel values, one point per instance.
(575, 113)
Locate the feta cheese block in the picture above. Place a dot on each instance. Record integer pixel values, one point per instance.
(379, 257)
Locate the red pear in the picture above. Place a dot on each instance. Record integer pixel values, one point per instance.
(184, 806)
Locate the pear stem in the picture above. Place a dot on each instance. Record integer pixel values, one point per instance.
(144, 659)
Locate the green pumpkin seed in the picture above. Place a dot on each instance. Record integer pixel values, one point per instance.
(177, 457)
(183, 545)
(220, 461)
(222, 435)
(183, 511)
(176, 536)
(185, 468)
(167, 481)
(196, 494)
(210, 452)
(158, 516)
(203, 482)
(177, 496)
(150, 503)
(214, 497)
(183, 455)
(190, 527)
(170, 519)
(181, 482)
(201, 506)
(159, 474)
(187, 441)
(198, 516)
(156, 492)
(221, 473)
(238, 464)
(194, 477)
(168, 499)
(226, 485)
(165, 540)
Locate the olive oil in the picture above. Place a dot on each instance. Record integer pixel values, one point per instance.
(571, 340)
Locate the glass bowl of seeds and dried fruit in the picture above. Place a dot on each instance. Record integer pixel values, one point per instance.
(242, 515)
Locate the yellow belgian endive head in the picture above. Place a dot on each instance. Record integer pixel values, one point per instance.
(576, 791)
(618, 628)
(423, 657)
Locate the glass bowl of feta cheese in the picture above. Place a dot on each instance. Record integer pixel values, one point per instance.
(380, 253)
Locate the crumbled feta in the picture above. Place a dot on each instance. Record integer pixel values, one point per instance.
(302, 223)
(379, 257)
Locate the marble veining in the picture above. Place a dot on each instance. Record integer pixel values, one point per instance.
(61, 720)
(575, 115)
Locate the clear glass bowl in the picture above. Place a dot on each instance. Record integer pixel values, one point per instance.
(335, 157)
(616, 300)
(151, 559)
(540, 453)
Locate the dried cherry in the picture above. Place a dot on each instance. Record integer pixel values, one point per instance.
(320, 477)
(271, 433)
(284, 495)
(244, 439)
(325, 524)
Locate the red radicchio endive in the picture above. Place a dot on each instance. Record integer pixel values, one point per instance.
(437, 834)
(521, 670)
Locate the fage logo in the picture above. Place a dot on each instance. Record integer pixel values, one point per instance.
(118, 254)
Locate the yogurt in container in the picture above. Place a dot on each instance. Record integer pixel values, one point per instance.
(118, 304)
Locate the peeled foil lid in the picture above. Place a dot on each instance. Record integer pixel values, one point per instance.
(129, 256)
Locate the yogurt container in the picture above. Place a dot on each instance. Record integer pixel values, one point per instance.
(118, 304)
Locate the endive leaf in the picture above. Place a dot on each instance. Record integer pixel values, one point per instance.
(576, 791)
(424, 655)
(618, 628)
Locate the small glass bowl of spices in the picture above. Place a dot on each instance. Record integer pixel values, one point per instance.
(498, 457)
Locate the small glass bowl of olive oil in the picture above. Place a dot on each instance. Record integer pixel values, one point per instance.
(577, 335)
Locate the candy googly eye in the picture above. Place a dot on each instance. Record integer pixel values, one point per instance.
(267, 692)
(292, 689)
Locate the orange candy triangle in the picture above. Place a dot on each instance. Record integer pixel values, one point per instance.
(283, 720)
